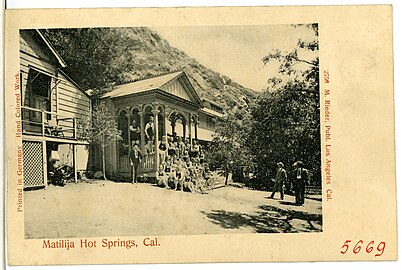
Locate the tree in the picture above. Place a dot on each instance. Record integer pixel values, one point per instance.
(228, 150)
(97, 57)
(286, 117)
(103, 130)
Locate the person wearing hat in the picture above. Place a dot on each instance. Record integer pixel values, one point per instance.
(280, 179)
(135, 160)
(300, 180)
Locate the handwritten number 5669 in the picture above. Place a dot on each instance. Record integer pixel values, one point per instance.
(358, 246)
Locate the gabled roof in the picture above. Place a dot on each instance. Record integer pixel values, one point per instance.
(52, 50)
(154, 83)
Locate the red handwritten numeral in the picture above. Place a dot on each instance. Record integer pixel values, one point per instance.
(370, 247)
(358, 247)
(381, 249)
(346, 245)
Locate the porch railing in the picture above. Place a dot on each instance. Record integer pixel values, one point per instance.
(148, 162)
(49, 124)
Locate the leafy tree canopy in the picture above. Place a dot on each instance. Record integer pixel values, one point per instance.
(286, 117)
(96, 56)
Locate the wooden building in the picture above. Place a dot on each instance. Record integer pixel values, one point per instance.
(52, 106)
(176, 109)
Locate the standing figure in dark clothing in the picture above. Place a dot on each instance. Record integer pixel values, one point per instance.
(300, 181)
(135, 131)
(150, 129)
(280, 179)
(135, 161)
(289, 185)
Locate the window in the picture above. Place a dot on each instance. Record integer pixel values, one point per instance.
(38, 86)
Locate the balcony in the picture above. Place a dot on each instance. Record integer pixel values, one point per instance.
(47, 124)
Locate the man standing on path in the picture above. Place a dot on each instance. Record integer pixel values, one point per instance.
(280, 179)
(300, 180)
(135, 160)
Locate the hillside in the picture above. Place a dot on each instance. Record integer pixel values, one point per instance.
(104, 57)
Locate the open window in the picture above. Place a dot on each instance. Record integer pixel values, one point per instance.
(39, 93)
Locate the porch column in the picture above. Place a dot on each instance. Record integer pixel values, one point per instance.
(164, 124)
(44, 160)
(75, 163)
(184, 127)
(128, 128)
(196, 127)
(155, 113)
(189, 127)
(142, 131)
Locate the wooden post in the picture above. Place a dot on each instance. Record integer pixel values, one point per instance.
(44, 158)
(189, 127)
(56, 89)
(195, 128)
(183, 123)
(128, 129)
(43, 122)
(142, 132)
(75, 163)
(165, 125)
(156, 142)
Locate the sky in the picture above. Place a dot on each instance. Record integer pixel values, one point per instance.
(236, 51)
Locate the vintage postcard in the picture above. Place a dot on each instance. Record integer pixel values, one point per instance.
(180, 135)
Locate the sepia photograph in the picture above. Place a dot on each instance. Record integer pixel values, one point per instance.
(170, 130)
(199, 135)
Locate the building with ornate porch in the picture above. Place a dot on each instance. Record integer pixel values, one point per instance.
(176, 110)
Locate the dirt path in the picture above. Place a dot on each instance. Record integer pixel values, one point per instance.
(121, 209)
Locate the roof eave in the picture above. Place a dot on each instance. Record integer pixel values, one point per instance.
(53, 50)
(154, 91)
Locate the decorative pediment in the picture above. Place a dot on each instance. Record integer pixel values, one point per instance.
(176, 88)
(180, 86)
(175, 84)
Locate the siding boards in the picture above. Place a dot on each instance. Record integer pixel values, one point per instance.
(68, 101)
(71, 111)
(72, 101)
(69, 96)
(27, 60)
